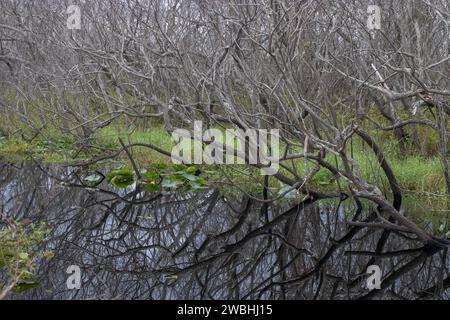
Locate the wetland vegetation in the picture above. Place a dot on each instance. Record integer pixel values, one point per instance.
(89, 102)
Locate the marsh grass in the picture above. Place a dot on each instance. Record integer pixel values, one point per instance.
(416, 174)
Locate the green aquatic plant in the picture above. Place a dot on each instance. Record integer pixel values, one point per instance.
(160, 177)
(121, 178)
(19, 253)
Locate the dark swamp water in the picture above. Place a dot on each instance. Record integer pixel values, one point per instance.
(133, 245)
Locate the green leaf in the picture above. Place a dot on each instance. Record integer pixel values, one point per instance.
(152, 187)
(151, 181)
(121, 178)
(25, 286)
(159, 166)
(120, 182)
(93, 178)
(6, 253)
(23, 255)
(201, 182)
(179, 167)
(171, 183)
(192, 170)
(188, 176)
(5, 257)
(151, 175)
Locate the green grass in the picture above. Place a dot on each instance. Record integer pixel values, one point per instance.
(142, 155)
(419, 177)
(415, 174)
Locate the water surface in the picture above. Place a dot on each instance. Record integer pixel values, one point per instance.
(131, 244)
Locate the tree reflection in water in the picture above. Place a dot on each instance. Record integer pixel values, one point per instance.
(134, 245)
